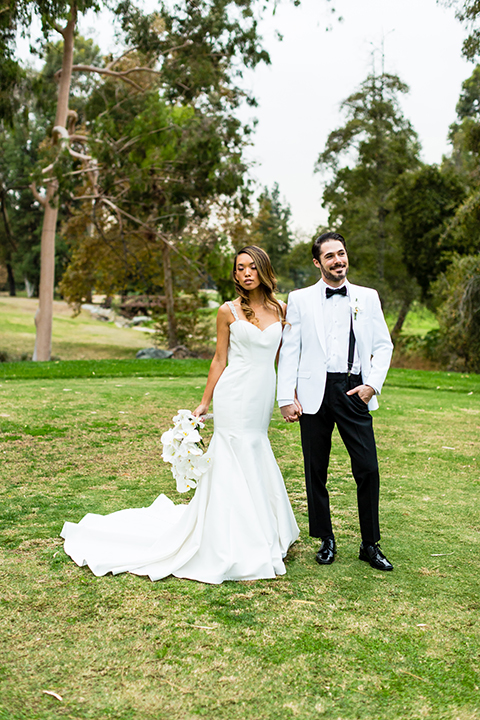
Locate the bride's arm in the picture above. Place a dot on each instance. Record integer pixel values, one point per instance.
(219, 361)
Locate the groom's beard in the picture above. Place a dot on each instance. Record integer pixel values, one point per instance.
(335, 276)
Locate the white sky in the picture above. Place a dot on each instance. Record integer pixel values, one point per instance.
(312, 71)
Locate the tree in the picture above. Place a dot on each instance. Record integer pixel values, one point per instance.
(458, 293)
(462, 232)
(301, 270)
(467, 11)
(196, 49)
(366, 157)
(163, 165)
(21, 141)
(424, 201)
(270, 228)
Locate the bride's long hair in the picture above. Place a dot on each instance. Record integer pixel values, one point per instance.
(268, 284)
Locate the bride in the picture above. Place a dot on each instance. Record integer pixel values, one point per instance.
(239, 524)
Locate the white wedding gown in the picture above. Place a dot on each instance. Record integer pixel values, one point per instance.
(239, 524)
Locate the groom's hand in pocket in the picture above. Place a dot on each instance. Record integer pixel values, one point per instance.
(365, 392)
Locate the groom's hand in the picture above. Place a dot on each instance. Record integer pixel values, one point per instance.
(290, 412)
(365, 393)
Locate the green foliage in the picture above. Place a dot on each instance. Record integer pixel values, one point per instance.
(458, 294)
(465, 133)
(44, 85)
(366, 158)
(301, 270)
(195, 323)
(11, 73)
(424, 201)
(213, 40)
(467, 11)
(270, 229)
(23, 147)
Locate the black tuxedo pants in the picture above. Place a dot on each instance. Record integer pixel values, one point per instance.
(354, 424)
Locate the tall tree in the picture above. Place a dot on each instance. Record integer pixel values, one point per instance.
(424, 201)
(468, 11)
(366, 157)
(21, 140)
(463, 231)
(270, 228)
(196, 47)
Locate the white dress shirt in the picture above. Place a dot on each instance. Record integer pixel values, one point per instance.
(337, 313)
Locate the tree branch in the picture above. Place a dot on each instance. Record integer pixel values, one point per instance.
(78, 155)
(39, 198)
(104, 71)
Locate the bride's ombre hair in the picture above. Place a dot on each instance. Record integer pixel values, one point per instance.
(268, 283)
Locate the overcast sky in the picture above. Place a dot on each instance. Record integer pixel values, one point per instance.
(313, 70)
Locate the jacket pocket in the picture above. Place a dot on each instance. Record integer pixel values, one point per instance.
(304, 374)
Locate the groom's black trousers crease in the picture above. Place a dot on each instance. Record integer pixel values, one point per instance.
(354, 423)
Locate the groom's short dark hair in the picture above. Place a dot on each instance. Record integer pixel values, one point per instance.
(316, 247)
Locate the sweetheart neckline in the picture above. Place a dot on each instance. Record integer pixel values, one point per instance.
(277, 322)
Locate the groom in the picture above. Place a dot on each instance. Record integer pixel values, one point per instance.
(334, 358)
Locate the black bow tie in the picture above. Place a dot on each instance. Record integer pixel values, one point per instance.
(335, 291)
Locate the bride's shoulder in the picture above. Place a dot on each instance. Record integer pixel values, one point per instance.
(228, 309)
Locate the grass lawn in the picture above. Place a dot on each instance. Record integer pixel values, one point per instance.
(79, 338)
(419, 321)
(342, 641)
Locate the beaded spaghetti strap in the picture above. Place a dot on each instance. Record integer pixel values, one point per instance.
(233, 309)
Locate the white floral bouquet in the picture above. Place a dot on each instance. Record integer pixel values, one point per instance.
(182, 448)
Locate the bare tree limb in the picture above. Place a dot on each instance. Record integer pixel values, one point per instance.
(79, 156)
(115, 60)
(38, 197)
(104, 71)
(133, 140)
(78, 138)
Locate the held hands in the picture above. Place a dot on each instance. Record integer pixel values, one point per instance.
(291, 413)
(365, 393)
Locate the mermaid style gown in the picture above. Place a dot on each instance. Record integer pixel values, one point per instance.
(239, 524)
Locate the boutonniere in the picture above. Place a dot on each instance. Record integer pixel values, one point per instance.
(356, 308)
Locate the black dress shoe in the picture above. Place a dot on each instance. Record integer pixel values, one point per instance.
(326, 553)
(373, 555)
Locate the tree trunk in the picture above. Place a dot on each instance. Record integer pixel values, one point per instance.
(10, 245)
(44, 314)
(43, 317)
(401, 319)
(382, 214)
(11, 280)
(168, 287)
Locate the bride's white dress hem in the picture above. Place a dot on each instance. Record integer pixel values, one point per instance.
(239, 524)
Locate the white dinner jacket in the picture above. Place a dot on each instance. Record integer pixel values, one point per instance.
(302, 363)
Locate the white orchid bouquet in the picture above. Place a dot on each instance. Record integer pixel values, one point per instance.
(182, 448)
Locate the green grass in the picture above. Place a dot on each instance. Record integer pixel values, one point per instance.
(332, 642)
(73, 338)
(419, 321)
(103, 368)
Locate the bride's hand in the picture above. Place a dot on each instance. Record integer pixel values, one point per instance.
(201, 410)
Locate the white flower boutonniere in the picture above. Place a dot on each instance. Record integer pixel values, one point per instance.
(182, 449)
(356, 308)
